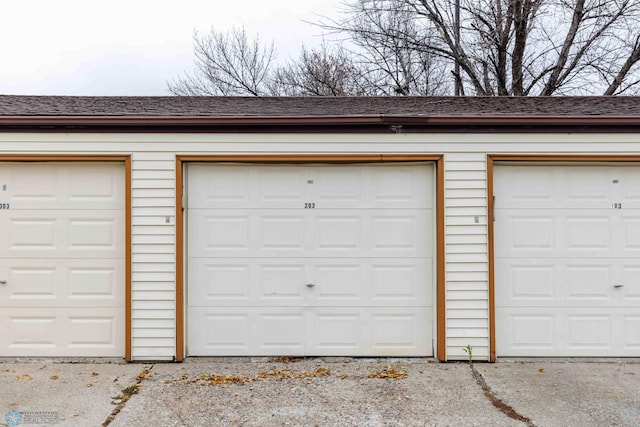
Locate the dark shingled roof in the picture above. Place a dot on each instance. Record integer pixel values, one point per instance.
(316, 106)
(425, 113)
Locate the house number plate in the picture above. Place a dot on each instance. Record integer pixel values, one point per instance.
(4, 206)
(310, 205)
(616, 205)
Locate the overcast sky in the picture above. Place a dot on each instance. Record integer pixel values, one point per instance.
(132, 47)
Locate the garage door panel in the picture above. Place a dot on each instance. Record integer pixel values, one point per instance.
(588, 233)
(96, 187)
(232, 282)
(361, 332)
(400, 331)
(229, 187)
(50, 234)
(527, 332)
(338, 332)
(540, 187)
(62, 283)
(314, 274)
(223, 331)
(233, 187)
(327, 186)
(337, 232)
(630, 281)
(267, 233)
(523, 188)
(563, 233)
(280, 331)
(348, 331)
(630, 238)
(631, 333)
(62, 256)
(36, 332)
(304, 282)
(586, 187)
(566, 240)
(526, 234)
(62, 186)
(370, 282)
(220, 282)
(401, 186)
(280, 187)
(280, 232)
(396, 234)
(400, 282)
(589, 284)
(567, 282)
(242, 331)
(218, 234)
(543, 332)
(372, 233)
(525, 280)
(589, 331)
(331, 187)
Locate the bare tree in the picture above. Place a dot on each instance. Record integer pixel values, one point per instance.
(385, 40)
(511, 47)
(227, 64)
(319, 72)
(428, 47)
(231, 64)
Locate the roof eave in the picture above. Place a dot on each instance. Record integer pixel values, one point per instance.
(138, 121)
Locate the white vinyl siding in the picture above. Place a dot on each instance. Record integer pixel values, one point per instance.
(153, 255)
(467, 290)
(153, 199)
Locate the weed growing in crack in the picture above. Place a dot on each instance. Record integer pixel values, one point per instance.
(469, 350)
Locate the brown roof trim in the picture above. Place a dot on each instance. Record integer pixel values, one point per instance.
(424, 123)
(186, 121)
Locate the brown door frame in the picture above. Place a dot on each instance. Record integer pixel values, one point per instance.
(536, 159)
(438, 160)
(125, 159)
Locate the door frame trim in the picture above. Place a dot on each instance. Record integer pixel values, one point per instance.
(125, 159)
(437, 159)
(536, 160)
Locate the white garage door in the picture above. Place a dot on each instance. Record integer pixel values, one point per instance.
(61, 259)
(567, 260)
(310, 259)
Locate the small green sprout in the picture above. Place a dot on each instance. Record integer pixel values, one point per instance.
(469, 350)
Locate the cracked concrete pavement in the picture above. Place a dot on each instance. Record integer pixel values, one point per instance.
(320, 391)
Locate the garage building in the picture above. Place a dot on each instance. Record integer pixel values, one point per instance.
(159, 228)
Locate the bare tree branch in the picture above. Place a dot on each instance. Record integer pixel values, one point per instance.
(227, 64)
(411, 47)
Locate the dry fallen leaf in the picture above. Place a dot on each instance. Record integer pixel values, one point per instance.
(541, 370)
(54, 377)
(89, 385)
(389, 373)
(94, 374)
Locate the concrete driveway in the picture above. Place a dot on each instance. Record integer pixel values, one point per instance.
(322, 392)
